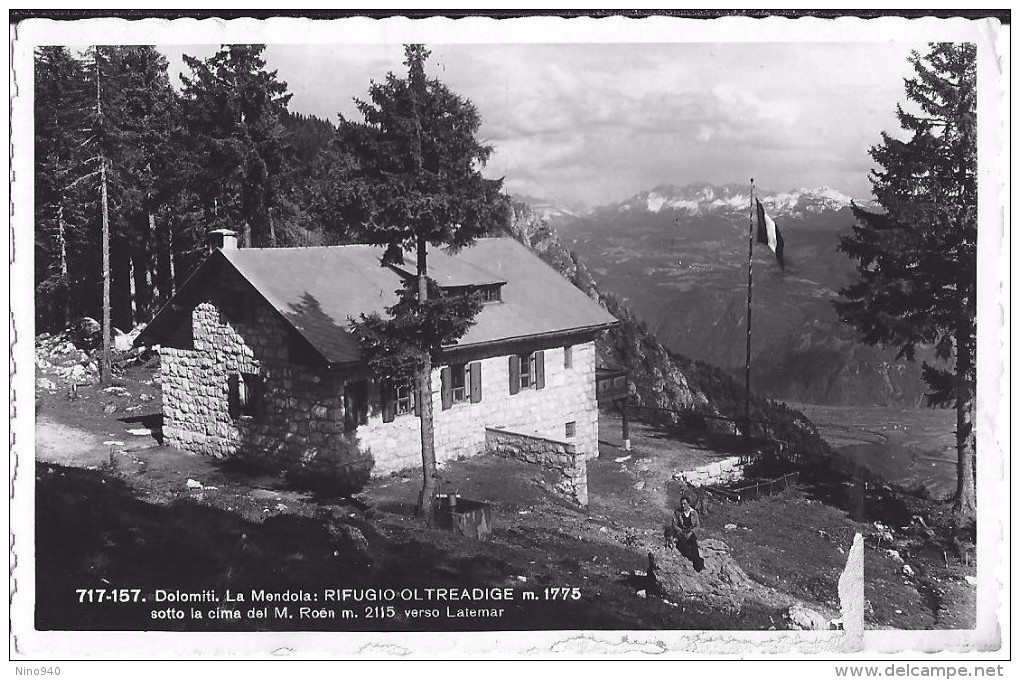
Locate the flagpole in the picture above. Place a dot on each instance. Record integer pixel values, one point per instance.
(747, 359)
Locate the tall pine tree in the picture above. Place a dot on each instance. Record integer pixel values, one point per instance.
(917, 260)
(234, 108)
(144, 106)
(418, 183)
(61, 242)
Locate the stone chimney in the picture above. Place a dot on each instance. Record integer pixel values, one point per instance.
(224, 239)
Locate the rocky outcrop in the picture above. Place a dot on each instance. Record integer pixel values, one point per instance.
(725, 585)
(674, 576)
(799, 617)
(87, 334)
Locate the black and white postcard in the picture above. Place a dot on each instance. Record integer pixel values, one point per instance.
(563, 337)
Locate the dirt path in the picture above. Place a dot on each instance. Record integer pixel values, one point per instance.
(59, 443)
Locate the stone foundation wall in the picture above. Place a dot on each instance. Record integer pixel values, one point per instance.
(302, 422)
(561, 456)
(724, 471)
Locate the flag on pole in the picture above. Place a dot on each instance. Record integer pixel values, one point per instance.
(768, 233)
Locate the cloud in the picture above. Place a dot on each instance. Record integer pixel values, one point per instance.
(747, 106)
(595, 123)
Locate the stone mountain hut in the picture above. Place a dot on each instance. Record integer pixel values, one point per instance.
(256, 360)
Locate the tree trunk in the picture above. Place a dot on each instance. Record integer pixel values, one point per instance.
(132, 289)
(426, 498)
(62, 241)
(152, 269)
(170, 257)
(104, 362)
(965, 502)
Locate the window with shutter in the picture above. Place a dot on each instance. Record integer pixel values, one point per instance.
(403, 398)
(460, 383)
(527, 372)
(246, 395)
(568, 356)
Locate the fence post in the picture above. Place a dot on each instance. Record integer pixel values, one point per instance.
(626, 425)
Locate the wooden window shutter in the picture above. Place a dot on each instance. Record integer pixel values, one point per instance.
(446, 376)
(539, 370)
(476, 382)
(515, 374)
(389, 408)
(568, 356)
(259, 395)
(234, 395)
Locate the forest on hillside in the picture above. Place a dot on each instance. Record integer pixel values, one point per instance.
(167, 166)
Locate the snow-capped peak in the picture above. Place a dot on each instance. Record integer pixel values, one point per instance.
(698, 199)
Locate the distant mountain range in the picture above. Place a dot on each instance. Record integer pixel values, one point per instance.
(678, 256)
(702, 199)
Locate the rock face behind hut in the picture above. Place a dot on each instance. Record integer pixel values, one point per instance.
(664, 384)
(656, 380)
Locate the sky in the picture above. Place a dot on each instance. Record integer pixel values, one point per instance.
(590, 124)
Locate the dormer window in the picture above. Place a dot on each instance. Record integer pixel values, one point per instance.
(491, 293)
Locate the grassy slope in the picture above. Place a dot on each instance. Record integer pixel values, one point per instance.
(136, 524)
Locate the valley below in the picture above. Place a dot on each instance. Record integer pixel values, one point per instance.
(683, 270)
(912, 448)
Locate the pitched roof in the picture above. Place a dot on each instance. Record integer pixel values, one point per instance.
(317, 290)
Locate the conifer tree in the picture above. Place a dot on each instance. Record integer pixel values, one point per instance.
(234, 109)
(60, 241)
(917, 260)
(144, 108)
(418, 184)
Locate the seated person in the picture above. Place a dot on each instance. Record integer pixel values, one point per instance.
(680, 533)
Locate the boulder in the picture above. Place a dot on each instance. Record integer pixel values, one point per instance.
(800, 617)
(347, 537)
(87, 334)
(674, 575)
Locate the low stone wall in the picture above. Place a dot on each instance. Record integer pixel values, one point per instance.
(560, 456)
(724, 471)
